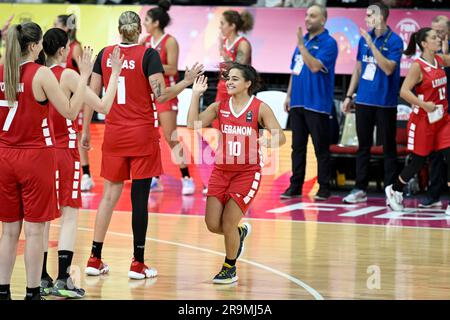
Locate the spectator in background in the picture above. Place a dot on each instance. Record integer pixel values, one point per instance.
(310, 100)
(377, 77)
(438, 167)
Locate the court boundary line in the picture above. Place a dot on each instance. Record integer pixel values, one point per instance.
(285, 220)
(297, 281)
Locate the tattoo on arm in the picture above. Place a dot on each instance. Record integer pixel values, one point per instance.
(156, 88)
(240, 57)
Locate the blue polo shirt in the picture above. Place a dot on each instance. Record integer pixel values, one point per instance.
(314, 91)
(383, 90)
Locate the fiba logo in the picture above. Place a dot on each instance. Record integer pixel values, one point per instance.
(405, 28)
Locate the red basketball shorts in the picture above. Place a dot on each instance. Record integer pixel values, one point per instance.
(68, 163)
(121, 168)
(424, 138)
(241, 186)
(28, 179)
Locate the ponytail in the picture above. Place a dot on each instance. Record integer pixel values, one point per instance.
(415, 40)
(247, 21)
(11, 72)
(243, 21)
(411, 49)
(19, 37)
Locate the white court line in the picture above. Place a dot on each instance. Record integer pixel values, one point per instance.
(291, 221)
(305, 286)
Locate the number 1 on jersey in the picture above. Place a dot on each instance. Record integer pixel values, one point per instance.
(442, 93)
(121, 91)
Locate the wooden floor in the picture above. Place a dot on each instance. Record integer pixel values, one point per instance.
(299, 249)
(283, 260)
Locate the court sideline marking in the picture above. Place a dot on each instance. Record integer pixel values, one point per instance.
(300, 283)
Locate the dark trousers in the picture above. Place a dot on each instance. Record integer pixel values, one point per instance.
(303, 124)
(386, 121)
(438, 175)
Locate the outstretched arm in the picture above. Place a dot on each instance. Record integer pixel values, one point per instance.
(207, 116)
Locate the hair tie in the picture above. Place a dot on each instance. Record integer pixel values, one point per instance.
(19, 27)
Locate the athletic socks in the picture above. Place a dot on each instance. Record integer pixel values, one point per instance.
(230, 262)
(139, 249)
(140, 189)
(185, 172)
(33, 294)
(86, 170)
(64, 263)
(97, 249)
(44, 274)
(5, 293)
(398, 185)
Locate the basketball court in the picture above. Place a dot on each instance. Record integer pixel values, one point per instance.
(298, 249)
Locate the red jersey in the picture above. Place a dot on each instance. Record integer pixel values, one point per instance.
(65, 130)
(131, 124)
(230, 51)
(160, 46)
(26, 125)
(239, 148)
(433, 86)
(71, 60)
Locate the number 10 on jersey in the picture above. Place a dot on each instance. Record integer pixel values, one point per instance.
(234, 148)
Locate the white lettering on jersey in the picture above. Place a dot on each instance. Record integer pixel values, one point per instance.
(127, 64)
(20, 87)
(230, 129)
(439, 82)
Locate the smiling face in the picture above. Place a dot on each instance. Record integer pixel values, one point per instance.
(236, 82)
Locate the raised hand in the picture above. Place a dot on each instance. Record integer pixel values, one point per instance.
(300, 37)
(85, 62)
(445, 45)
(200, 85)
(191, 74)
(6, 25)
(116, 60)
(366, 36)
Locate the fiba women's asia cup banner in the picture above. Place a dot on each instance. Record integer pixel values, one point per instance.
(273, 37)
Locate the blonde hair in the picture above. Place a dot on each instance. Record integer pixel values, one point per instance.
(130, 26)
(19, 37)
